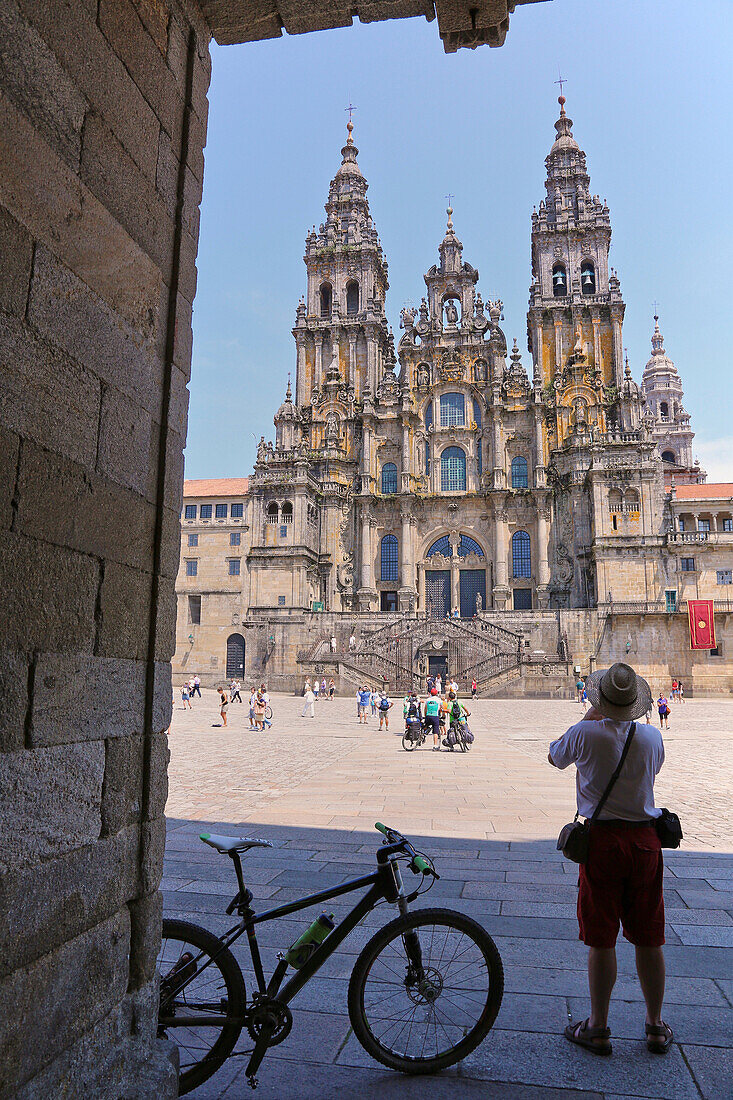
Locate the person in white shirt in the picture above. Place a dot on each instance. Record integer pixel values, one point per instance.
(621, 881)
(309, 709)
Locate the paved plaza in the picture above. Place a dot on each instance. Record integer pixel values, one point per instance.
(315, 787)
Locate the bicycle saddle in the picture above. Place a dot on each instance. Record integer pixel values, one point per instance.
(230, 844)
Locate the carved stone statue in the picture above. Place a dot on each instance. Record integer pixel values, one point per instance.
(407, 318)
(261, 449)
(423, 376)
(451, 313)
(332, 430)
(424, 315)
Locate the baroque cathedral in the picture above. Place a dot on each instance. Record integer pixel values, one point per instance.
(449, 475)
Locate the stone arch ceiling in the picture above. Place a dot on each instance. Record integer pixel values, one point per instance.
(469, 23)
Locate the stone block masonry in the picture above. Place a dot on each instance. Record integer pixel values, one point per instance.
(102, 125)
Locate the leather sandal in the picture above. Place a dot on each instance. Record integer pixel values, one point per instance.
(584, 1036)
(658, 1037)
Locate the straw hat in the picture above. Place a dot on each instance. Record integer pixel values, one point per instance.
(617, 692)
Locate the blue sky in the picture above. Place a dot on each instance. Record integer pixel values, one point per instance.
(649, 91)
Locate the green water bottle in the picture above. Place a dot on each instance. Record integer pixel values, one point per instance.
(306, 944)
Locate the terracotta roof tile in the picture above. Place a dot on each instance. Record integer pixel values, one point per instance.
(712, 490)
(216, 487)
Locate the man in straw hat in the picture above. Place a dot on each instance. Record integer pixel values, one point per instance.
(621, 881)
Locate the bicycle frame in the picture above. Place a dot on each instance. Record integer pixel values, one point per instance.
(385, 884)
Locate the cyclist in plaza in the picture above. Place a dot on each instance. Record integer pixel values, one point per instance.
(432, 716)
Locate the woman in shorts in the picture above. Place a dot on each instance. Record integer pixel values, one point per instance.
(663, 711)
(331, 689)
(224, 704)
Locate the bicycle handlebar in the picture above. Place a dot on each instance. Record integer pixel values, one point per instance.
(418, 864)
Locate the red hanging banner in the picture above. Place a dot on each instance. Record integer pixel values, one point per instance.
(702, 624)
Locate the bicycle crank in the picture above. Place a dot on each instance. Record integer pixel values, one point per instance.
(272, 1018)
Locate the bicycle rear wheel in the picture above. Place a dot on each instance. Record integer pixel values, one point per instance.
(407, 743)
(426, 990)
(268, 712)
(198, 979)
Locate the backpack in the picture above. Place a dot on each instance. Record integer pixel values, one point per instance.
(467, 736)
(451, 738)
(384, 703)
(413, 711)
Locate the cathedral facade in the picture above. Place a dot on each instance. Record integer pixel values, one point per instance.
(448, 475)
(451, 475)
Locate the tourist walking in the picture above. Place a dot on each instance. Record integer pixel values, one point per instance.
(331, 689)
(352, 643)
(579, 689)
(197, 685)
(259, 712)
(674, 692)
(474, 688)
(621, 880)
(224, 705)
(323, 687)
(333, 643)
(374, 698)
(363, 697)
(680, 692)
(252, 697)
(306, 685)
(663, 711)
(309, 704)
(186, 696)
(316, 686)
(385, 705)
(432, 716)
(235, 687)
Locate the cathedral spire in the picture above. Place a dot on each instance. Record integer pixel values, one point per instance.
(657, 338)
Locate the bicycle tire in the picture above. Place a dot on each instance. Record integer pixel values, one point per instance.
(446, 918)
(268, 712)
(407, 743)
(185, 933)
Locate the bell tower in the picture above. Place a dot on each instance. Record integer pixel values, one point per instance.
(341, 330)
(575, 303)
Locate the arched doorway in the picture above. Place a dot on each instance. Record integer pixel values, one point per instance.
(235, 656)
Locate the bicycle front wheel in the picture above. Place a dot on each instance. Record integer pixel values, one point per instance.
(268, 712)
(202, 1000)
(426, 990)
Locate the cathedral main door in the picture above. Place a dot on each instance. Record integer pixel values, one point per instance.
(473, 586)
(437, 593)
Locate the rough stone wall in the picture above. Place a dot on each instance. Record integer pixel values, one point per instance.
(102, 124)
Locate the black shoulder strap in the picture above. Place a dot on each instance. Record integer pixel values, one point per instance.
(614, 777)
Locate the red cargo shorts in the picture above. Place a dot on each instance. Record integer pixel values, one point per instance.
(621, 883)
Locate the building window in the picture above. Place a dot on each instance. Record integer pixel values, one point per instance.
(468, 545)
(453, 470)
(234, 567)
(559, 281)
(668, 456)
(192, 567)
(283, 532)
(205, 512)
(681, 524)
(193, 540)
(388, 601)
(522, 599)
(389, 478)
(670, 601)
(725, 576)
(703, 525)
(664, 410)
(587, 277)
(352, 299)
(727, 524)
(718, 651)
(326, 295)
(194, 610)
(520, 473)
(221, 511)
(286, 512)
(190, 512)
(687, 565)
(389, 565)
(281, 601)
(273, 512)
(452, 410)
(235, 538)
(237, 511)
(477, 412)
(441, 546)
(521, 555)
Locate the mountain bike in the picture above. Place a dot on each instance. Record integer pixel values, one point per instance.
(414, 735)
(423, 993)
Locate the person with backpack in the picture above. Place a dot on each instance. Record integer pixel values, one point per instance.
(432, 716)
(384, 708)
(363, 697)
(412, 714)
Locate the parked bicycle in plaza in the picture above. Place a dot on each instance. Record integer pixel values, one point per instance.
(424, 991)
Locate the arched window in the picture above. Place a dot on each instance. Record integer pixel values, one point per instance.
(286, 513)
(352, 298)
(479, 457)
(326, 297)
(559, 281)
(453, 470)
(615, 501)
(389, 478)
(664, 410)
(441, 546)
(452, 410)
(520, 473)
(389, 566)
(521, 555)
(588, 277)
(668, 456)
(477, 412)
(272, 512)
(429, 415)
(467, 545)
(632, 500)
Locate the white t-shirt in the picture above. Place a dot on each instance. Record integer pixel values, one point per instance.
(595, 748)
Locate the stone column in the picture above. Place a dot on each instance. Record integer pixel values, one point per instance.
(455, 583)
(352, 358)
(407, 568)
(366, 456)
(618, 350)
(300, 369)
(537, 338)
(540, 475)
(367, 593)
(558, 343)
(405, 474)
(318, 370)
(596, 321)
(501, 562)
(543, 564)
(498, 447)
